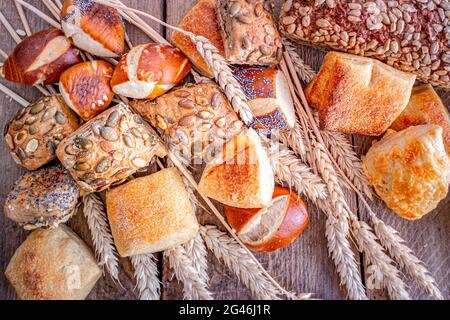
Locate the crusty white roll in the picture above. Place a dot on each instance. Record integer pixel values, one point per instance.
(151, 213)
(94, 27)
(240, 175)
(273, 227)
(41, 58)
(410, 170)
(53, 264)
(86, 88)
(149, 70)
(268, 96)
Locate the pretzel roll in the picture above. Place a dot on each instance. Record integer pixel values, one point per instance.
(94, 28)
(41, 58)
(85, 88)
(149, 70)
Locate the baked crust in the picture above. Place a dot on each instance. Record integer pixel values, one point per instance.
(410, 170)
(240, 175)
(358, 95)
(425, 107)
(33, 134)
(53, 264)
(151, 213)
(202, 21)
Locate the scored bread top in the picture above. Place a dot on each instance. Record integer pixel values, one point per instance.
(151, 214)
(358, 95)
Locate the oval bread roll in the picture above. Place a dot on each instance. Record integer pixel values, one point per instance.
(53, 264)
(240, 175)
(410, 170)
(151, 214)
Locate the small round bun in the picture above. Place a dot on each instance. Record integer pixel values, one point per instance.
(94, 28)
(271, 228)
(86, 88)
(41, 58)
(148, 71)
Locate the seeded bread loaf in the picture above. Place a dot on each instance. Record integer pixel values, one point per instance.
(151, 213)
(108, 148)
(196, 118)
(249, 32)
(34, 133)
(410, 35)
(200, 20)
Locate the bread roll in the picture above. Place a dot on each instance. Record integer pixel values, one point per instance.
(410, 170)
(109, 148)
(86, 88)
(151, 214)
(425, 107)
(149, 70)
(94, 27)
(42, 198)
(273, 227)
(249, 32)
(268, 97)
(240, 175)
(358, 95)
(41, 58)
(197, 119)
(202, 21)
(53, 264)
(34, 133)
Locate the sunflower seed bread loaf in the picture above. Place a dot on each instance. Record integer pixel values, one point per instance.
(249, 32)
(195, 118)
(410, 35)
(108, 148)
(34, 133)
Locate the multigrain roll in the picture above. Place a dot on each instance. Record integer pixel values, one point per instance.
(43, 198)
(410, 35)
(34, 133)
(53, 264)
(358, 95)
(410, 170)
(108, 148)
(151, 213)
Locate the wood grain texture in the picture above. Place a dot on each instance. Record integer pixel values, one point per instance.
(304, 266)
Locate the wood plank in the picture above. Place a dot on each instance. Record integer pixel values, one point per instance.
(12, 235)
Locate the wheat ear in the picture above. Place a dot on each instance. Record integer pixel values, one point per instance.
(293, 172)
(97, 222)
(304, 71)
(196, 250)
(376, 256)
(405, 257)
(295, 139)
(146, 275)
(194, 286)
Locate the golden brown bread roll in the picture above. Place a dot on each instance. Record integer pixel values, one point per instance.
(358, 95)
(196, 118)
(202, 21)
(151, 214)
(53, 264)
(410, 170)
(240, 175)
(425, 107)
(34, 133)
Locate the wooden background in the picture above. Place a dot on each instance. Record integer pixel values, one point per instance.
(304, 266)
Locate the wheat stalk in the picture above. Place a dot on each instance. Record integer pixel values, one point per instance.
(97, 222)
(194, 286)
(293, 172)
(304, 71)
(146, 275)
(295, 139)
(196, 250)
(405, 257)
(376, 256)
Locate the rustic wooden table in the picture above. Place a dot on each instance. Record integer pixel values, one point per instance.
(304, 266)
